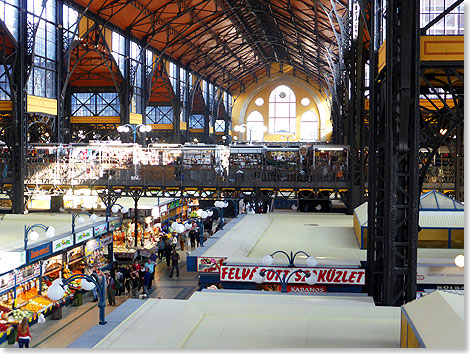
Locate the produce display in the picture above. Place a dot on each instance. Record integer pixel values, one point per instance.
(27, 295)
(19, 314)
(4, 327)
(40, 300)
(67, 273)
(32, 307)
(5, 309)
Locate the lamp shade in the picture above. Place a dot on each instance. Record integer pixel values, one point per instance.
(120, 129)
(87, 285)
(56, 291)
(459, 260)
(203, 214)
(180, 228)
(93, 217)
(312, 261)
(225, 204)
(142, 128)
(187, 226)
(33, 235)
(115, 208)
(312, 279)
(294, 207)
(124, 210)
(198, 212)
(258, 278)
(50, 232)
(267, 260)
(80, 220)
(216, 204)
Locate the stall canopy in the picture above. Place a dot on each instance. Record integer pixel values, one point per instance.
(434, 321)
(441, 219)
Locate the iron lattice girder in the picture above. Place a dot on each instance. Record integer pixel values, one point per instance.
(393, 159)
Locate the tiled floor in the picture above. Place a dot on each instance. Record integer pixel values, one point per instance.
(77, 320)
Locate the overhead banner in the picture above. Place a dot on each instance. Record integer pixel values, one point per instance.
(91, 246)
(11, 260)
(325, 275)
(62, 244)
(83, 235)
(28, 273)
(440, 275)
(7, 282)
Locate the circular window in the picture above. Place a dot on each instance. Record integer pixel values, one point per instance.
(305, 101)
(259, 101)
(282, 94)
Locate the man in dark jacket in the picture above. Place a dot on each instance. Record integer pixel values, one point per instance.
(168, 249)
(146, 282)
(175, 257)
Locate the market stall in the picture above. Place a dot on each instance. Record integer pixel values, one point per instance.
(26, 274)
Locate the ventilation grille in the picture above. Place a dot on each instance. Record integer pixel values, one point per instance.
(310, 224)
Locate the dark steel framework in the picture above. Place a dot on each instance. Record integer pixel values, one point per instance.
(393, 153)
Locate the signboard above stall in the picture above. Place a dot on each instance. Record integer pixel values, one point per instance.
(62, 244)
(91, 246)
(174, 204)
(39, 252)
(11, 260)
(83, 235)
(100, 229)
(163, 209)
(28, 273)
(325, 275)
(114, 224)
(7, 281)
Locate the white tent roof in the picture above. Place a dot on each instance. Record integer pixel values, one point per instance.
(436, 210)
(439, 319)
(437, 201)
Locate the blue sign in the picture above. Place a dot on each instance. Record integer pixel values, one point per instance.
(39, 252)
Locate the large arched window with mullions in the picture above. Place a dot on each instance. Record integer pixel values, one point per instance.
(282, 110)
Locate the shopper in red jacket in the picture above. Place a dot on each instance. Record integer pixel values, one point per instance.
(23, 336)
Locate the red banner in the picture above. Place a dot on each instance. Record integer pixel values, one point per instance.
(345, 276)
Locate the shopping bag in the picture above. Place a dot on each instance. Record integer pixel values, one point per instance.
(41, 318)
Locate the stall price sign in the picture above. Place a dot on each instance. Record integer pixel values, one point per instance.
(343, 276)
(39, 252)
(62, 244)
(114, 224)
(100, 229)
(28, 273)
(83, 235)
(11, 260)
(209, 264)
(91, 246)
(7, 282)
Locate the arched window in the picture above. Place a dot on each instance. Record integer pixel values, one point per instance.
(309, 126)
(255, 122)
(282, 110)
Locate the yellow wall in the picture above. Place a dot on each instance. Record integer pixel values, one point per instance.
(457, 236)
(245, 104)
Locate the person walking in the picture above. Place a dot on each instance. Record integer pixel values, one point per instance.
(175, 257)
(183, 239)
(192, 237)
(151, 266)
(147, 281)
(168, 249)
(111, 290)
(23, 337)
(135, 284)
(161, 248)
